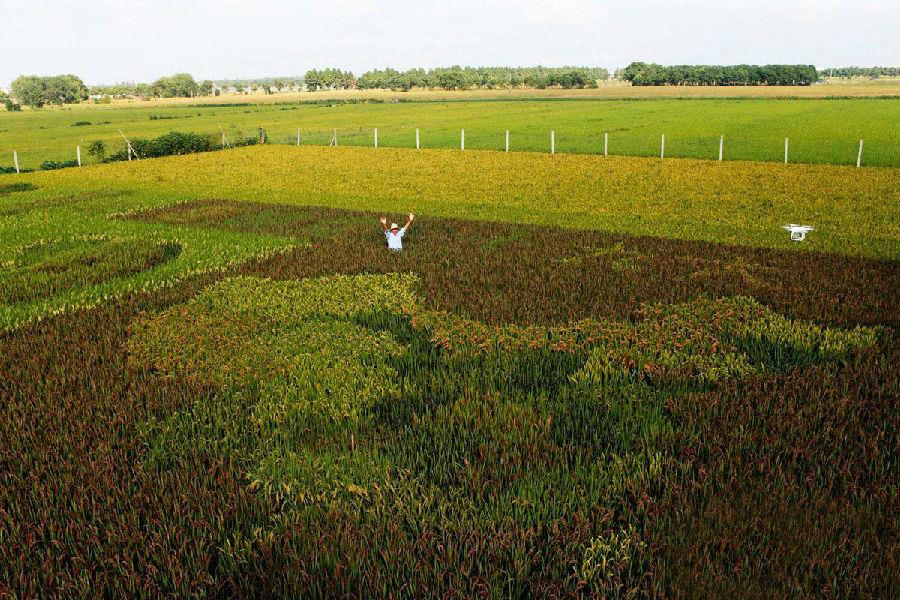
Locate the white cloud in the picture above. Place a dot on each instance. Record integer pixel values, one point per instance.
(110, 40)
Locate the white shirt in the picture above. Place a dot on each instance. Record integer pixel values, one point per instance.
(395, 240)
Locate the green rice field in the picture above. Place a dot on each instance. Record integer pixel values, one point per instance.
(819, 130)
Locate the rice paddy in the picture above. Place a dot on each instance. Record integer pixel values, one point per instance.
(581, 377)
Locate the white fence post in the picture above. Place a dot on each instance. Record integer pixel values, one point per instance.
(662, 146)
(16, 160)
(376, 137)
(552, 142)
(128, 146)
(462, 139)
(605, 143)
(223, 138)
(417, 138)
(859, 155)
(78, 154)
(298, 136)
(507, 140)
(721, 146)
(785, 151)
(334, 137)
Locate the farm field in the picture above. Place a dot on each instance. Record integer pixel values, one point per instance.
(819, 131)
(583, 376)
(856, 211)
(835, 88)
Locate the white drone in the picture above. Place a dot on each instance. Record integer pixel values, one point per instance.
(798, 232)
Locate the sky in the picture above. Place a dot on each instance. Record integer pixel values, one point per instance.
(108, 41)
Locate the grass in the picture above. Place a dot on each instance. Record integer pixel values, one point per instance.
(500, 410)
(820, 131)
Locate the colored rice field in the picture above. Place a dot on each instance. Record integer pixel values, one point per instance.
(582, 377)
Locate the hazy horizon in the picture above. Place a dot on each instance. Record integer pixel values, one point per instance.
(106, 42)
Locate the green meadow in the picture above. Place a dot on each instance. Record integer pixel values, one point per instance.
(819, 130)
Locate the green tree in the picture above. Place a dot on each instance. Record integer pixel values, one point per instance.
(145, 90)
(8, 102)
(65, 89)
(30, 91)
(639, 73)
(181, 85)
(313, 80)
(37, 91)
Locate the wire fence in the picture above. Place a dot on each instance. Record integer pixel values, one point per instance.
(803, 149)
(722, 148)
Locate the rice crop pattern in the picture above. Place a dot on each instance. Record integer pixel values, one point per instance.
(855, 211)
(61, 256)
(498, 411)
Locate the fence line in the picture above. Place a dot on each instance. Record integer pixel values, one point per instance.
(357, 136)
(533, 147)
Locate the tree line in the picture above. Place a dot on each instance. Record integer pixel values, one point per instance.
(871, 72)
(66, 89)
(268, 85)
(458, 78)
(640, 73)
(181, 85)
(37, 92)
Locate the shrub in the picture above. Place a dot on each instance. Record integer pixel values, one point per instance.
(97, 149)
(50, 165)
(175, 143)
